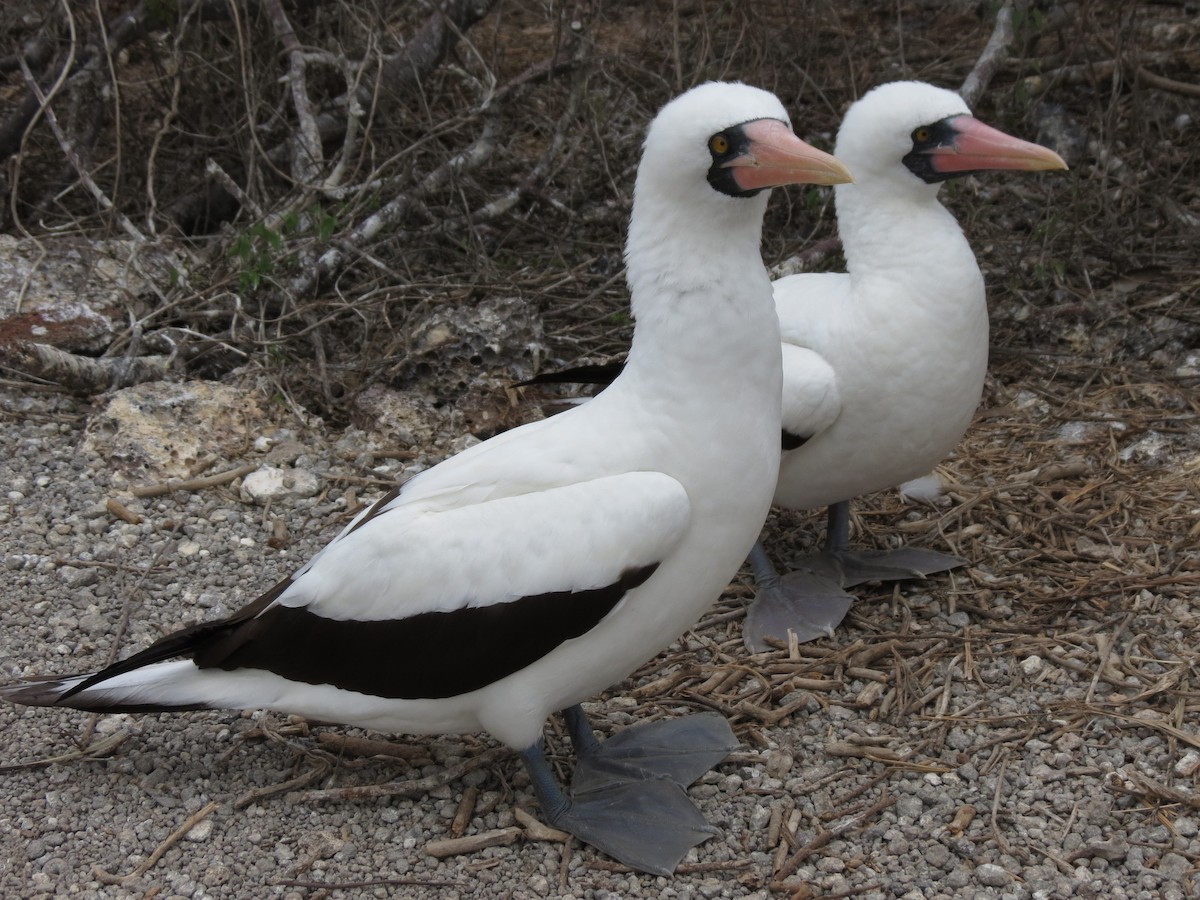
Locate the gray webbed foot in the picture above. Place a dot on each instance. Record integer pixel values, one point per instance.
(901, 564)
(809, 604)
(809, 601)
(850, 568)
(647, 825)
(627, 794)
(680, 750)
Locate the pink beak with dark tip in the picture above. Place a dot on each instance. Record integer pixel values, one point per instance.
(977, 146)
(775, 156)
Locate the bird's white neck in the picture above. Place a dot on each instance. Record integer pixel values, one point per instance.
(905, 236)
(667, 248)
(704, 282)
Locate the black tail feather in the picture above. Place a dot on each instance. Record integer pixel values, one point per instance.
(185, 642)
(596, 373)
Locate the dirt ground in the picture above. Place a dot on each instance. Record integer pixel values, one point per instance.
(1026, 726)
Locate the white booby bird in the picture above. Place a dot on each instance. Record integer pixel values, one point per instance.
(883, 365)
(539, 567)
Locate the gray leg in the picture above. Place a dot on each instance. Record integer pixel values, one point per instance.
(837, 527)
(553, 801)
(583, 739)
(901, 564)
(648, 825)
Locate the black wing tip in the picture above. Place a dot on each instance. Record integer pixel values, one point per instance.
(62, 691)
(40, 690)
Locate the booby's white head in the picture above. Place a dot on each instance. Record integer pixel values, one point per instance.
(710, 156)
(909, 134)
(737, 136)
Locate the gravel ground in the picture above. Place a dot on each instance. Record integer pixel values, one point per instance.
(1026, 727)
(937, 748)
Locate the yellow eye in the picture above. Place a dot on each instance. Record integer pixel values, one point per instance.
(718, 144)
(921, 135)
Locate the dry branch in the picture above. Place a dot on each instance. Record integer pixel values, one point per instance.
(255, 795)
(172, 839)
(558, 140)
(34, 53)
(1145, 76)
(848, 824)
(472, 843)
(306, 152)
(1156, 792)
(330, 262)
(428, 47)
(807, 258)
(71, 152)
(992, 58)
(98, 750)
(81, 374)
(340, 744)
(194, 484)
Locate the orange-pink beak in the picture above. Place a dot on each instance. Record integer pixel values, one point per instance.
(977, 146)
(775, 156)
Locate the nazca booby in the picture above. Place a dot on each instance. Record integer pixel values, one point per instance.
(883, 365)
(537, 568)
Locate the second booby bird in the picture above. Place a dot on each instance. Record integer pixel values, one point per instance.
(537, 568)
(883, 365)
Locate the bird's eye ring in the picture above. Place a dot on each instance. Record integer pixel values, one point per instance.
(921, 135)
(718, 144)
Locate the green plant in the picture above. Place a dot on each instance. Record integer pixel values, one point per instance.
(256, 249)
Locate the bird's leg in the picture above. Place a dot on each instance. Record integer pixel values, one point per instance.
(837, 528)
(900, 564)
(583, 739)
(550, 796)
(648, 825)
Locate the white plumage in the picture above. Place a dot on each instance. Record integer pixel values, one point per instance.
(533, 570)
(896, 346)
(884, 364)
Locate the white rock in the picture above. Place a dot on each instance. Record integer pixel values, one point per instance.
(114, 723)
(1031, 665)
(1188, 764)
(925, 489)
(200, 831)
(1087, 432)
(270, 483)
(1152, 448)
(159, 430)
(779, 763)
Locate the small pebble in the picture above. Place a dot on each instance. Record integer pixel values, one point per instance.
(1172, 865)
(1188, 764)
(201, 831)
(992, 875)
(779, 763)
